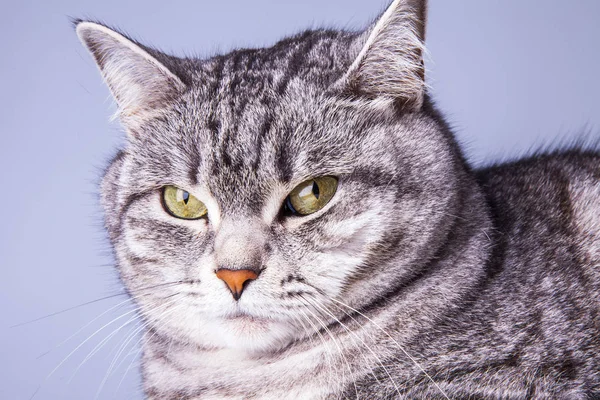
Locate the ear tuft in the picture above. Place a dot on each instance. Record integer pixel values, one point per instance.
(140, 84)
(390, 62)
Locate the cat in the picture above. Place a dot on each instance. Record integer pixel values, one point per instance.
(299, 222)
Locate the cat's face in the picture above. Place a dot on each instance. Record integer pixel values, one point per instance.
(239, 133)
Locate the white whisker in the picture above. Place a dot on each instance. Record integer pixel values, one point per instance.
(328, 350)
(328, 356)
(397, 344)
(83, 327)
(81, 344)
(354, 335)
(101, 344)
(157, 318)
(341, 352)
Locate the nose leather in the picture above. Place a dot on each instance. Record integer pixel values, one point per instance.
(236, 279)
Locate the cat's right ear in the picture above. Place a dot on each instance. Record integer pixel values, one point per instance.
(140, 84)
(388, 57)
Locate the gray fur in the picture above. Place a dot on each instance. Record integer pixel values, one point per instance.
(422, 278)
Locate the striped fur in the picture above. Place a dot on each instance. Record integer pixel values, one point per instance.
(420, 279)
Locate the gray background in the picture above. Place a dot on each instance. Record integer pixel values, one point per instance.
(510, 75)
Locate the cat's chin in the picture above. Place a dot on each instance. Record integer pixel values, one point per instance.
(245, 333)
(257, 334)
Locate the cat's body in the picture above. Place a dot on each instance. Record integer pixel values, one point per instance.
(523, 325)
(418, 278)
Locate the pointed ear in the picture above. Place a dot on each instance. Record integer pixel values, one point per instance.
(390, 61)
(139, 83)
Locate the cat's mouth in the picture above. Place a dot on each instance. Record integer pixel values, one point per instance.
(242, 316)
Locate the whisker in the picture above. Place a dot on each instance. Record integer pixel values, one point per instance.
(331, 315)
(131, 335)
(101, 344)
(77, 348)
(397, 344)
(334, 341)
(164, 313)
(104, 341)
(123, 293)
(327, 353)
(82, 328)
(136, 355)
(98, 346)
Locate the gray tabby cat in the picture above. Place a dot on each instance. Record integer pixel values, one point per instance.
(298, 222)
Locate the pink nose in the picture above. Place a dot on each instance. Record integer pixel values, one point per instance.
(236, 279)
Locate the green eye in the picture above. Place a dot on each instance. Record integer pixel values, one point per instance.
(310, 196)
(182, 204)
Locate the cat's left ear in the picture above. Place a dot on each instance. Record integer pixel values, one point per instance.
(139, 82)
(390, 61)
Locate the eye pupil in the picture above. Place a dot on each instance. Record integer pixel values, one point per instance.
(186, 197)
(315, 190)
(289, 206)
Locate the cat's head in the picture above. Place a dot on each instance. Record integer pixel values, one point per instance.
(257, 186)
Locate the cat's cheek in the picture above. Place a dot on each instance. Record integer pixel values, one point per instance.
(352, 234)
(332, 271)
(135, 244)
(349, 244)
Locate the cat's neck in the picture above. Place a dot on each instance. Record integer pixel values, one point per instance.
(308, 369)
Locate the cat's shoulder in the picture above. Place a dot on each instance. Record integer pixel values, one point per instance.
(556, 189)
(567, 165)
(571, 177)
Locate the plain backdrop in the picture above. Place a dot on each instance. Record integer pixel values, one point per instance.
(510, 75)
